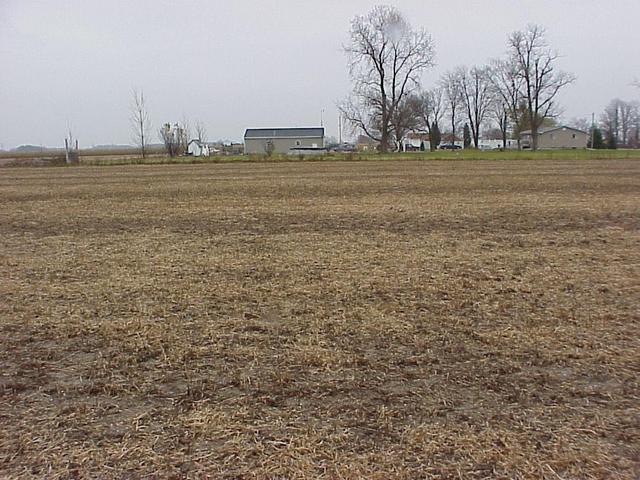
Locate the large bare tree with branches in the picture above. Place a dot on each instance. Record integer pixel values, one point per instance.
(140, 121)
(507, 88)
(500, 115)
(432, 111)
(450, 85)
(200, 131)
(620, 121)
(535, 64)
(386, 58)
(477, 97)
(175, 138)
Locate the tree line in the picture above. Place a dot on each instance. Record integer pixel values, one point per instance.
(619, 125)
(387, 58)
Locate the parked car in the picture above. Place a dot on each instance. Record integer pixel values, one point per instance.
(342, 147)
(450, 146)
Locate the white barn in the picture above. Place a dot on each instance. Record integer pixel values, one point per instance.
(198, 148)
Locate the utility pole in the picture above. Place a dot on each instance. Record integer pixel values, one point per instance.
(340, 127)
(593, 128)
(321, 117)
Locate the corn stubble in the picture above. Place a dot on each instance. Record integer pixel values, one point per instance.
(321, 320)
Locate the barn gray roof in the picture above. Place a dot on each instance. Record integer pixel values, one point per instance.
(551, 129)
(284, 132)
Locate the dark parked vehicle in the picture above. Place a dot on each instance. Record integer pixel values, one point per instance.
(342, 147)
(450, 146)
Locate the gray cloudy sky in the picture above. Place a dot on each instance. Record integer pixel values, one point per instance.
(238, 64)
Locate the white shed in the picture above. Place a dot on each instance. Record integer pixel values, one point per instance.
(198, 148)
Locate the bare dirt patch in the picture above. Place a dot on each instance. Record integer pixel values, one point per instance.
(321, 320)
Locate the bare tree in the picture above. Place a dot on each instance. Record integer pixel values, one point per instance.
(477, 97)
(634, 135)
(140, 121)
(535, 64)
(500, 113)
(453, 95)
(407, 117)
(72, 151)
(200, 131)
(386, 58)
(507, 85)
(175, 138)
(580, 123)
(620, 121)
(432, 111)
(185, 132)
(628, 114)
(610, 120)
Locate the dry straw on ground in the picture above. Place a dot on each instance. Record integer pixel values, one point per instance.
(321, 320)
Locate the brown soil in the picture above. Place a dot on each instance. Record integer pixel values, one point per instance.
(373, 320)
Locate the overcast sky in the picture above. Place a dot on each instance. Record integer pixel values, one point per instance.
(238, 64)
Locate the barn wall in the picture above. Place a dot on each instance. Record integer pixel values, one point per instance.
(563, 139)
(282, 145)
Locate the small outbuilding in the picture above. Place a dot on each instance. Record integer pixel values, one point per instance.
(556, 137)
(198, 148)
(282, 140)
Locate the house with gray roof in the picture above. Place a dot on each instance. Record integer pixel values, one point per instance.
(283, 140)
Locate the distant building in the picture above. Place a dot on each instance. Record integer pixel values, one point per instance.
(234, 149)
(366, 144)
(556, 137)
(282, 140)
(493, 144)
(198, 148)
(414, 141)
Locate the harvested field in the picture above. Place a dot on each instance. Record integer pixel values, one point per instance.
(379, 320)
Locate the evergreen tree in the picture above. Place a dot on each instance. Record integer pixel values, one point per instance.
(466, 136)
(436, 136)
(598, 140)
(422, 145)
(612, 141)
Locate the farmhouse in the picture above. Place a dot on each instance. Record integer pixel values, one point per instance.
(198, 149)
(556, 137)
(414, 141)
(282, 140)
